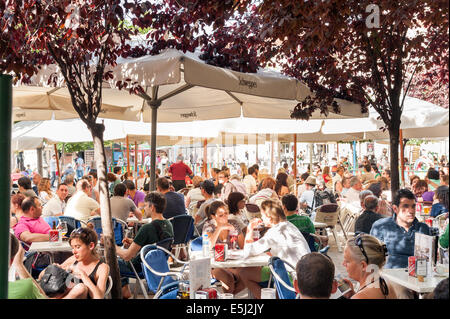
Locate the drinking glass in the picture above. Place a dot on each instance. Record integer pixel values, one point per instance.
(226, 296)
(63, 228)
(268, 293)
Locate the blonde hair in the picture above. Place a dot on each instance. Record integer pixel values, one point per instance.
(196, 180)
(44, 186)
(244, 169)
(273, 210)
(374, 248)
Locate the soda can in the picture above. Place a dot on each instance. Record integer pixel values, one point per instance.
(429, 222)
(54, 235)
(211, 293)
(220, 252)
(412, 266)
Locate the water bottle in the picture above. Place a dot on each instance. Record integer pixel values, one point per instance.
(205, 244)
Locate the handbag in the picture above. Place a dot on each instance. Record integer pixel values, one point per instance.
(54, 280)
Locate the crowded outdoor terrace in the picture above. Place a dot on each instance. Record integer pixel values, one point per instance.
(328, 229)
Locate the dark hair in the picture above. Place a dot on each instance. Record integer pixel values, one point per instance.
(441, 290)
(86, 235)
(251, 170)
(281, 180)
(402, 193)
(13, 245)
(216, 170)
(110, 177)
(163, 183)
(61, 184)
(375, 188)
(120, 190)
(315, 275)
(28, 203)
(129, 184)
(233, 199)
(256, 166)
(304, 176)
(375, 168)
(157, 200)
(212, 208)
(290, 201)
(442, 195)
(433, 174)
(25, 182)
(368, 167)
(93, 174)
(18, 199)
(218, 189)
(117, 169)
(388, 171)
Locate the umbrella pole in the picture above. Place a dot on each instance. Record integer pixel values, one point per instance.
(57, 164)
(154, 105)
(271, 157)
(128, 154)
(5, 181)
(205, 158)
(402, 158)
(136, 158)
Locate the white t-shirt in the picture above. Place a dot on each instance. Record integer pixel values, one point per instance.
(140, 183)
(54, 206)
(195, 195)
(80, 206)
(249, 182)
(352, 197)
(307, 197)
(284, 240)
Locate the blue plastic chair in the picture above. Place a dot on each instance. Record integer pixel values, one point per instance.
(156, 268)
(196, 244)
(183, 230)
(51, 219)
(72, 223)
(118, 225)
(280, 275)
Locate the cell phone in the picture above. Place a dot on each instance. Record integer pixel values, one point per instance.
(343, 288)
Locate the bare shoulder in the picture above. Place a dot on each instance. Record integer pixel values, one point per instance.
(104, 268)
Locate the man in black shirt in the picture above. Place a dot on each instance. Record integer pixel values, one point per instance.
(365, 221)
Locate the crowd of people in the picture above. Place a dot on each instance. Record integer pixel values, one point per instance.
(286, 210)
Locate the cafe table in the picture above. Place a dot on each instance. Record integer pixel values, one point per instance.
(50, 247)
(401, 277)
(235, 259)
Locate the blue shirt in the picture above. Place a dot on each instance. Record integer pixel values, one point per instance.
(438, 209)
(399, 242)
(174, 205)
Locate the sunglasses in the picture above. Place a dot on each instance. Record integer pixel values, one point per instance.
(359, 243)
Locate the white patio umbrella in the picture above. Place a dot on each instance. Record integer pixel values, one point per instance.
(180, 87)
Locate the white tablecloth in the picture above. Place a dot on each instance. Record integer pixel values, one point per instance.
(400, 276)
(239, 262)
(46, 246)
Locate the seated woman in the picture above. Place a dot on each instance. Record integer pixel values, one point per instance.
(364, 257)
(16, 209)
(267, 192)
(419, 188)
(281, 186)
(45, 192)
(86, 266)
(440, 201)
(283, 240)
(219, 229)
(236, 203)
(384, 208)
(194, 195)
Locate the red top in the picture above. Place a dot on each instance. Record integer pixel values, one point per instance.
(179, 171)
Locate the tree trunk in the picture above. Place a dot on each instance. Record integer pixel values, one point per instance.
(105, 210)
(394, 133)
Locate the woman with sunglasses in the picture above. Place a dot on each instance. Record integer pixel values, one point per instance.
(364, 257)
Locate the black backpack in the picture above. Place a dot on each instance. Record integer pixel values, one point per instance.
(54, 280)
(321, 198)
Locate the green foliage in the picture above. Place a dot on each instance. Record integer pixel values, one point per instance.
(77, 147)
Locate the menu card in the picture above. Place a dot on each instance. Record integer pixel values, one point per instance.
(199, 275)
(425, 247)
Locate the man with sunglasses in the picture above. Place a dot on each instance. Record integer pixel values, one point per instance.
(398, 232)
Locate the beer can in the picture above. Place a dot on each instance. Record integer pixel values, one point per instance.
(412, 266)
(220, 252)
(54, 235)
(211, 293)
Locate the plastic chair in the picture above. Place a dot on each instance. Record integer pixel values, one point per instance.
(156, 268)
(119, 227)
(282, 283)
(139, 277)
(169, 291)
(329, 214)
(72, 223)
(50, 219)
(183, 230)
(109, 285)
(196, 244)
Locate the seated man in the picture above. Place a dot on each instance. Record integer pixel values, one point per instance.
(315, 277)
(81, 206)
(207, 189)
(31, 226)
(136, 196)
(159, 229)
(352, 195)
(174, 201)
(121, 206)
(55, 206)
(398, 232)
(25, 187)
(365, 221)
(26, 287)
(303, 223)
